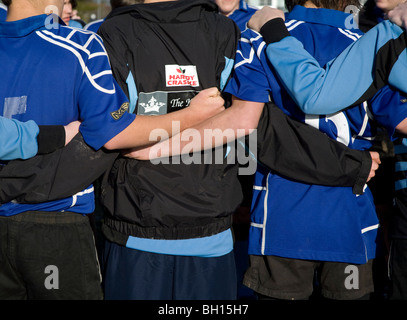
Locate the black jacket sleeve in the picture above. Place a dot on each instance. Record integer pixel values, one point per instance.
(55, 175)
(303, 153)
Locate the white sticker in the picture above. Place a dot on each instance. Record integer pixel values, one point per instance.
(177, 76)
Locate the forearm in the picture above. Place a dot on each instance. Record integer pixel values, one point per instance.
(354, 76)
(204, 105)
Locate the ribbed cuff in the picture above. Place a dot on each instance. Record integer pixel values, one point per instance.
(50, 138)
(274, 30)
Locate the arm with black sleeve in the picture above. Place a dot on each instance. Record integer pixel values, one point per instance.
(23, 140)
(293, 149)
(303, 153)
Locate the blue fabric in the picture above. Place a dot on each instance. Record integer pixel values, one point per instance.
(212, 246)
(75, 24)
(133, 274)
(94, 25)
(319, 90)
(3, 12)
(133, 94)
(54, 75)
(17, 139)
(242, 15)
(297, 220)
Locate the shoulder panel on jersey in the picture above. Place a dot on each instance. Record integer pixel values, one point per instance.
(88, 48)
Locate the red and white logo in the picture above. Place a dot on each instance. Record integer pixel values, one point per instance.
(177, 76)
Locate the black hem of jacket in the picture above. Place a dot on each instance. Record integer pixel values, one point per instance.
(119, 231)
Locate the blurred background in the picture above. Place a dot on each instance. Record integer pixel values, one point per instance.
(90, 10)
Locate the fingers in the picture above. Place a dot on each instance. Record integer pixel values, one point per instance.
(210, 92)
(399, 15)
(375, 156)
(262, 16)
(375, 164)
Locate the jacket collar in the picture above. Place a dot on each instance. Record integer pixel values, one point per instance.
(329, 17)
(168, 11)
(23, 27)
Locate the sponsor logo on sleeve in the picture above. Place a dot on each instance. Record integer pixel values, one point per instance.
(116, 115)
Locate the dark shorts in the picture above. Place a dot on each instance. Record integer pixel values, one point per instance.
(48, 255)
(293, 279)
(131, 274)
(398, 269)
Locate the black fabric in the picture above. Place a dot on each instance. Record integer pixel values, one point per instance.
(386, 57)
(274, 31)
(398, 224)
(303, 153)
(293, 279)
(398, 270)
(170, 201)
(54, 176)
(50, 138)
(55, 252)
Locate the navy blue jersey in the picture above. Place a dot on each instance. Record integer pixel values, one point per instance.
(94, 25)
(3, 12)
(242, 15)
(297, 220)
(54, 75)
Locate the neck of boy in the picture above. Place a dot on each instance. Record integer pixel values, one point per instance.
(22, 9)
(310, 4)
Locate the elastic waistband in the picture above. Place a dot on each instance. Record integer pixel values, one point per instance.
(50, 217)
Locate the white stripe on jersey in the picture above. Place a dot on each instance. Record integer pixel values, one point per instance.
(289, 23)
(250, 41)
(349, 34)
(295, 25)
(58, 41)
(81, 193)
(376, 226)
(92, 23)
(244, 60)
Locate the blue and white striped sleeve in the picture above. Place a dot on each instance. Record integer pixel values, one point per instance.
(377, 58)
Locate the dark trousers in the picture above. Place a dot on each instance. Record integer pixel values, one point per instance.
(131, 274)
(48, 255)
(398, 269)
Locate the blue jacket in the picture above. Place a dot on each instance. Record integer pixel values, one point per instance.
(17, 139)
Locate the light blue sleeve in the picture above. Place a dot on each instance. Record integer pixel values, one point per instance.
(18, 140)
(346, 78)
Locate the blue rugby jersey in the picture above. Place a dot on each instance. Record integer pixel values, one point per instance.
(54, 75)
(94, 25)
(242, 15)
(297, 220)
(3, 12)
